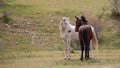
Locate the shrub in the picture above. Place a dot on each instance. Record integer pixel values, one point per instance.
(115, 7)
(98, 26)
(6, 19)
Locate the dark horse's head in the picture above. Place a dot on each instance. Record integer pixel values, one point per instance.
(78, 23)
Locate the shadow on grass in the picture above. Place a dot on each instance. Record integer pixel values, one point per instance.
(78, 62)
(117, 18)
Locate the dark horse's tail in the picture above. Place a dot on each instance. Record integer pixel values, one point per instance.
(84, 36)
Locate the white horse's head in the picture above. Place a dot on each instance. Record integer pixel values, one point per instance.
(66, 20)
(66, 24)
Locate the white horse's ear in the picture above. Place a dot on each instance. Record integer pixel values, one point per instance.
(76, 17)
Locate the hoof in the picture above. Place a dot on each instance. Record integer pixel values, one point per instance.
(87, 58)
(81, 59)
(68, 58)
(65, 58)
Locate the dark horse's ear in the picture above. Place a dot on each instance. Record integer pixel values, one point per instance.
(76, 17)
(83, 17)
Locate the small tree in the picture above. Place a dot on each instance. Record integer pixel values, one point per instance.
(115, 7)
(6, 17)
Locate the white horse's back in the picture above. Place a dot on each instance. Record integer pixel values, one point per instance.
(74, 35)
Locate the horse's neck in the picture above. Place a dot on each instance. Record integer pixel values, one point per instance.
(71, 26)
(68, 27)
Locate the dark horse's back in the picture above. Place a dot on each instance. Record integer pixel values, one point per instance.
(85, 33)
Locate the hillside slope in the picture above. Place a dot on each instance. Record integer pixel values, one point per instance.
(31, 28)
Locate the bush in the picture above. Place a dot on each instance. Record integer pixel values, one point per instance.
(6, 19)
(115, 7)
(98, 26)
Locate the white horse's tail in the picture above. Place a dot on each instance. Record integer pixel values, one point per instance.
(95, 41)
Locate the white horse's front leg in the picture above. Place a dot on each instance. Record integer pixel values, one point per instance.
(68, 49)
(65, 48)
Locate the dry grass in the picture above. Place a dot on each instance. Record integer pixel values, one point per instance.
(52, 59)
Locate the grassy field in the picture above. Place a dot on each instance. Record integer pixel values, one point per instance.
(36, 8)
(32, 40)
(54, 59)
(31, 22)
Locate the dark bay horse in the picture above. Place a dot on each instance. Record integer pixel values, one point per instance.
(85, 35)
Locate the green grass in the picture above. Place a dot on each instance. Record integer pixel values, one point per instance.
(53, 59)
(52, 7)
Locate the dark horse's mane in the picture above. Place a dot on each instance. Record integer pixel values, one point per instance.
(84, 20)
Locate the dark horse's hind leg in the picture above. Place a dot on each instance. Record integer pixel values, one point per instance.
(82, 50)
(87, 51)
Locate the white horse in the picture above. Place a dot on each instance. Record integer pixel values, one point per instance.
(68, 34)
